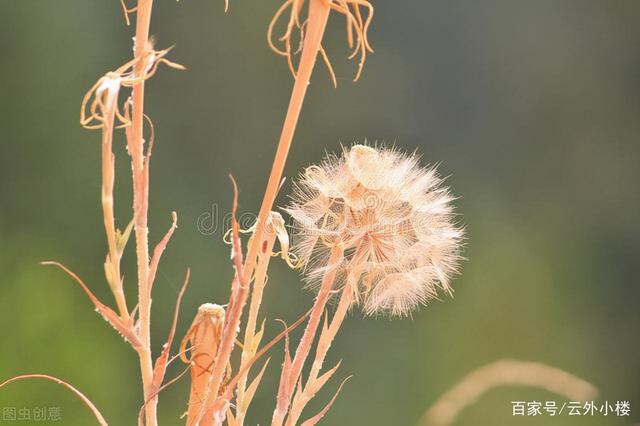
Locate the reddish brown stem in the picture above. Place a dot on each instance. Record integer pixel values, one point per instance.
(140, 171)
(318, 15)
(317, 22)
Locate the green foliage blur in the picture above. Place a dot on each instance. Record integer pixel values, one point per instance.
(531, 107)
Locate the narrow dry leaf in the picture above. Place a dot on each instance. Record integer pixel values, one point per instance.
(231, 420)
(125, 330)
(253, 387)
(315, 419)
(312, 388)
(159, 249)
(122, 237)
(286, 369)
(160, 367)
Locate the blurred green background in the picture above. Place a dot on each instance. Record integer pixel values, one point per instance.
(531, 107)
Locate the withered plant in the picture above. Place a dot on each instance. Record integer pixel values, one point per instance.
(373, 228)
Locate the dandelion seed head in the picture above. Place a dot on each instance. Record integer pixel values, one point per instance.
(392, 218)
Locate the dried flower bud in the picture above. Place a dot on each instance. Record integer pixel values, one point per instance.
(393, 219)
(202, 341)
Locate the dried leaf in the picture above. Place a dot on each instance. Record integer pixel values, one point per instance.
(312, 388)
(159, 249)
(253, 387)
(160, 367)
(315, 419)
(231, 420)
(125, 330)
(110, 274)
(257, 338)
(122, 237)
(283, 390)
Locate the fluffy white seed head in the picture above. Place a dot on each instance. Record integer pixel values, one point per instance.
(393, 219)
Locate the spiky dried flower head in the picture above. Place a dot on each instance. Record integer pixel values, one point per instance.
(392, 218)
(357, 27)
(103, 95)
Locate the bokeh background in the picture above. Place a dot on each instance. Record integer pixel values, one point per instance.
(531, 107)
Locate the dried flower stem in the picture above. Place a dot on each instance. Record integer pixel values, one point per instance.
(317, 21)
(140, 171)
(251, 338)
(318, 16)
(290, 376)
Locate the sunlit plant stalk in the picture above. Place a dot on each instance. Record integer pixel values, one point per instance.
(275, 230)
(312, 30)
(318, 15)
(314, 381)
(292, 369)
(100, 110)
(140, 173)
